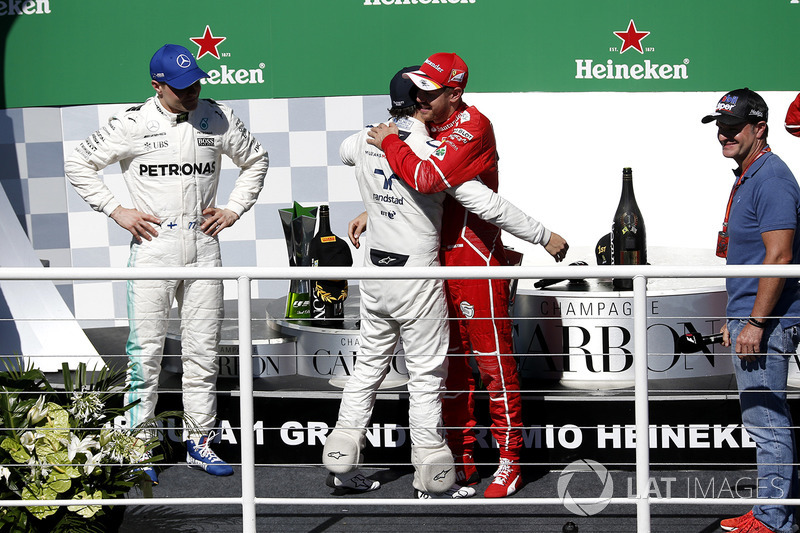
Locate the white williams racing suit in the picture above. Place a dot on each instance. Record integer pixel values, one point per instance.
(171, 165)
(404, 230)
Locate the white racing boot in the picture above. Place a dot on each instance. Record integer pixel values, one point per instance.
(342, 451)
(434, 471)
(342, 456)
(354, 481)
(455, 492)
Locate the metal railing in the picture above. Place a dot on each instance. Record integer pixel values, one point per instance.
(245, 276)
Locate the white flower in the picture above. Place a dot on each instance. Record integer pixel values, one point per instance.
(38, 469)
(118, 446)
(6, 473)
(86, 406)
(28, 440)
(38, 411)
(92, 462)
(83, 446)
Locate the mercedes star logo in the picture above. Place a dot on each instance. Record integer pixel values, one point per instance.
(184, 61)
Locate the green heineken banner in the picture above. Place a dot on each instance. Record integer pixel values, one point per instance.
(61, 52)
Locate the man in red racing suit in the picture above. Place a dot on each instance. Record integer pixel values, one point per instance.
(792, 123)
(483, 326)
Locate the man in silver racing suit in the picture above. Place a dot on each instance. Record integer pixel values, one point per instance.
(169, 150)
(404, 230)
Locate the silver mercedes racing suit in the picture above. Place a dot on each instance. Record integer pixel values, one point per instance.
(404, 230)
(171, 165)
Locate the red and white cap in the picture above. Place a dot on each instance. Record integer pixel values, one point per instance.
(440, 70)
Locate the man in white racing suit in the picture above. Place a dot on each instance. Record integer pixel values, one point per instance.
(169, 149)
(405, 231)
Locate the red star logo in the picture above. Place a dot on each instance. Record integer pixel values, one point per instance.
(631, 38)
(207, 43)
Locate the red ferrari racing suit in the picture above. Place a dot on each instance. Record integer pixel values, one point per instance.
(792, 123)
(483, 326)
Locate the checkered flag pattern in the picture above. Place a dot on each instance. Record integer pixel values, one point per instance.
(301, 135)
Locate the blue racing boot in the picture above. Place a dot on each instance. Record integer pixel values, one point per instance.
(201, 455)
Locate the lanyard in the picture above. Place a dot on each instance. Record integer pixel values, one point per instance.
(738, 184)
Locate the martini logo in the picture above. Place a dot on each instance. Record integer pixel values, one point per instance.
(631, 39)
(208, 44)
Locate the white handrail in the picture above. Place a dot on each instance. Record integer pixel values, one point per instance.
(642, 414)
(246, 407)
(508, 272)
(244, 277)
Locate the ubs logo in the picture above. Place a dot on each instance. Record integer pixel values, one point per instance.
(156, 145)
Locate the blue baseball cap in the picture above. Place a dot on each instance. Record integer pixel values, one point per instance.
(175, 65)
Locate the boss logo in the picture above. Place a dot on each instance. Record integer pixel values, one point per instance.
(205, 141)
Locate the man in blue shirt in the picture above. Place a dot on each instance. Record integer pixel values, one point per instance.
(761, 223)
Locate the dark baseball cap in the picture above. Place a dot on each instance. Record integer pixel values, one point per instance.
(175, 65)
(741, 105)
(402, 90)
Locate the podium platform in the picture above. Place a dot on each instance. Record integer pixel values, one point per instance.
(289, 353)
(693, 428)
(569, 411)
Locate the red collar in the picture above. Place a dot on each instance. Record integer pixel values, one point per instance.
(451, 122)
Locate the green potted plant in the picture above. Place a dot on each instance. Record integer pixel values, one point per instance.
(63, 445)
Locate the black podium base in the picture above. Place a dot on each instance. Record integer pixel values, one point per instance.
(685, 433)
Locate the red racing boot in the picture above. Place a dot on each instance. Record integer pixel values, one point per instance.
(466, 472)
(507, 479)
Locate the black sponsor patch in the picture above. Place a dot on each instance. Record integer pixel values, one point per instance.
(387, 259)
(205, 141)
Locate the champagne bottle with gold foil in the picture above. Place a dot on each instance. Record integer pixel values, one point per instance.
(328, 296)
(628, 235)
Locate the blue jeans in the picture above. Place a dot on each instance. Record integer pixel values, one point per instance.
(765, 414)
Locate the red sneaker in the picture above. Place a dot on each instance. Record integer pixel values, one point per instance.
(466, 473)
(732, 524)
(507, 479)
(750, 524)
